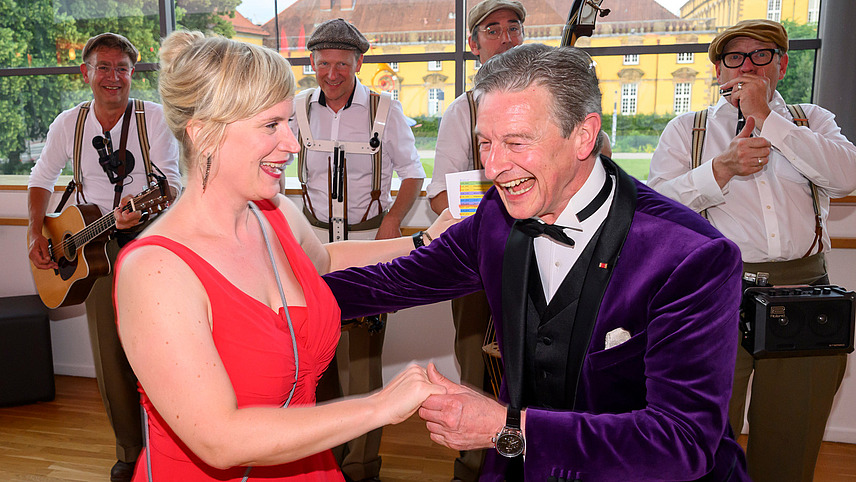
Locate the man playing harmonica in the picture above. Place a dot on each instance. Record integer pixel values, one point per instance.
(754, 178)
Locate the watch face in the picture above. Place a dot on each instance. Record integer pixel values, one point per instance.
(510, 444)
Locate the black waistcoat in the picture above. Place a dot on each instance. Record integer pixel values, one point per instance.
(548, 334)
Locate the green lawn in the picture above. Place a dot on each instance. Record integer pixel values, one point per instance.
(637, 168)
(427, 164)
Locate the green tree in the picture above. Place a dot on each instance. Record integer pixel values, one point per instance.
(797, 84)
(27, 33)
(39, 33)
(204, 15)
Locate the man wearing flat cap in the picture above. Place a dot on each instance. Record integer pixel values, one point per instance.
(352, 139)
(495, 26)
(753, 176)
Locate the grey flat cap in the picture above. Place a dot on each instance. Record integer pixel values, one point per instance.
(337, 34)
(487, 7)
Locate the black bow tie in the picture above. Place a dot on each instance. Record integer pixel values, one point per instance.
(535, 228)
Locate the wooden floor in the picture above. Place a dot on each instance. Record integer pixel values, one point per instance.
(69, 439)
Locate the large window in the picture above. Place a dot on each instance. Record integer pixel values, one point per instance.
(813, 11)
(628, 99)
(683, 97)
(435, 101)
(420, 56)
(774, 10)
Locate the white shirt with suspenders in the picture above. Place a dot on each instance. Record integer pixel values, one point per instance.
(362, 183)
(771, 215)
(70, 137)
(457, 147)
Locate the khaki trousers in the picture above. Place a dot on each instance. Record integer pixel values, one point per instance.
(116, 381)
(471, 315)
(356, 369)
(790, 399)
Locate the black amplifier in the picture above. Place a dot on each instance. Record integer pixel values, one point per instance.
(797, 321)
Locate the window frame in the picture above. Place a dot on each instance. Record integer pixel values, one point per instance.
(683, 98)
(629, 98)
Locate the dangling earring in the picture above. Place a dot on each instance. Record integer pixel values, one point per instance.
(207, 171)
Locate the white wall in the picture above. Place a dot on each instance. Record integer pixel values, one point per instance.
(418, 334)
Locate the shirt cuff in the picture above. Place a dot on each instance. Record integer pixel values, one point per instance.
(705, 182)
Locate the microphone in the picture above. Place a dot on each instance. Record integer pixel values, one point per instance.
(107, 160)
(98, 144)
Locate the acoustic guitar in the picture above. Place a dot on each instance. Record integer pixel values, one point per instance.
(581, 21)
(77, 240)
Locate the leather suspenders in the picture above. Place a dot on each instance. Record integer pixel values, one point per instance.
(339, 226)
(77, 180)
(477, 164)
(699, 130)
(800, 119)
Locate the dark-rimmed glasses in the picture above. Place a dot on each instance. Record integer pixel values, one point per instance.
(493, 32)
(759, 57)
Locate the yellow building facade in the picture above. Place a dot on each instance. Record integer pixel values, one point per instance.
(666, 83)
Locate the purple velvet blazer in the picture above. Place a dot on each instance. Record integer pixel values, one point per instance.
(651, 408)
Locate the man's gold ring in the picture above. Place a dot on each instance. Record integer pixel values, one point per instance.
(760, 161)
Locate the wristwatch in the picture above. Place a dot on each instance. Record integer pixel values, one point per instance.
(418, 242)
(509, 441)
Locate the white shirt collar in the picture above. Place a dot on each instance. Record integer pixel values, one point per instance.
(583, 197)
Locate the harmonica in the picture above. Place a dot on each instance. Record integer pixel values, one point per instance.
(725, 92)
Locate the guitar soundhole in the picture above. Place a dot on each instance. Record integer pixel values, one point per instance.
(68, 262)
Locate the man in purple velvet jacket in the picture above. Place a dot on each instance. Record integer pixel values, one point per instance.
(617, 338)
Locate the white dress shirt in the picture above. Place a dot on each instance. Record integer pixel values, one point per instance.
(454, 151)
(97, 189)
(556, 259)
(353, 123)
(769, 214)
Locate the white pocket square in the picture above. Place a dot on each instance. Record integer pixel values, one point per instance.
(616, 337)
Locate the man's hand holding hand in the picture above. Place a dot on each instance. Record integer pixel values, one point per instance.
(461, 419)
(404, 394)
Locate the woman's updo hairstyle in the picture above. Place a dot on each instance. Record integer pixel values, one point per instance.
(216, 81)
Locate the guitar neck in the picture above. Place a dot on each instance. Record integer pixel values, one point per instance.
(92, 231)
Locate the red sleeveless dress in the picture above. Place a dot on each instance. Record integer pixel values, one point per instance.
(255, 346)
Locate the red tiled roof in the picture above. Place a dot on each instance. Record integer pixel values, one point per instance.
(243, 25)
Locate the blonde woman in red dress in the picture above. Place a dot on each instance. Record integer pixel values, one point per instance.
(221, 309)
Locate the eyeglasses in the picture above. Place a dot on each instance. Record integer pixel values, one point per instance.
(759, 57)
(106, 70)
(493, 32)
